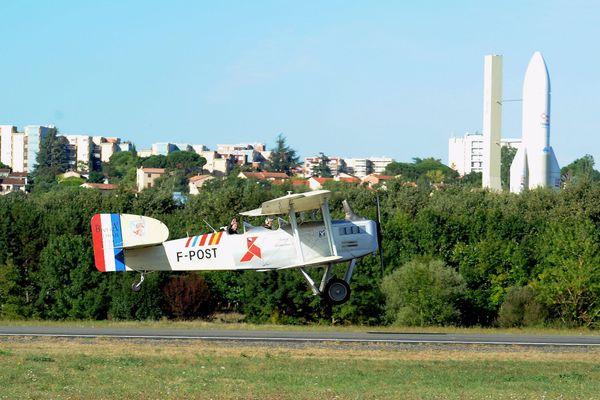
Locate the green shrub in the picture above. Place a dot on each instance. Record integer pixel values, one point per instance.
(422, 293)
(521, 308)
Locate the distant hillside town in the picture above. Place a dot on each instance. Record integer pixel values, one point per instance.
(86, 154)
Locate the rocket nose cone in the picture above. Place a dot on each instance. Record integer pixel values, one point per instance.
(537, 73)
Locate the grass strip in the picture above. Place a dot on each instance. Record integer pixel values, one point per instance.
(102, 368)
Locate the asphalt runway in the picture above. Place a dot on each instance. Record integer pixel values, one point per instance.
(303, 336)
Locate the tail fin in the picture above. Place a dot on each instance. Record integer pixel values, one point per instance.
(112, 233)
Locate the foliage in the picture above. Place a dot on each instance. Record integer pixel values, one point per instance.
(423, 293)
(580, 171)
(322, 170)
(187, 296)
(507, 155)
(121, 168)
(521, 308)
(422, 169)
(71, 181)
(51, 160)
(568, 278)
(283, 158)
(188, 162)
(96, 177)
(541, 239)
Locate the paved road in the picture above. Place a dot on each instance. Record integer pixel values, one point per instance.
(306, 337)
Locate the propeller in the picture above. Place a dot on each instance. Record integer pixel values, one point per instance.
(380, 237)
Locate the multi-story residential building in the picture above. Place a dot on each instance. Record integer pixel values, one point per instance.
(145, 177)
(360, 167)
(6, 143)
(163, 149)
(34, 135)
(465, 154)
(254, 154)
(19, 150)
(216, 164)
(81, 152)
(379, 164)
(311, 165)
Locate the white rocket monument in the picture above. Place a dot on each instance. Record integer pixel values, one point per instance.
(535, 164)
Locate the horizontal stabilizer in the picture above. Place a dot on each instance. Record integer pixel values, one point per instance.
(112, 233)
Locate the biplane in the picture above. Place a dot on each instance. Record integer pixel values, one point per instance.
(125, 242)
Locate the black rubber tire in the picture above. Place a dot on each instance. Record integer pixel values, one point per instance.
(136, 286)
(337, 291)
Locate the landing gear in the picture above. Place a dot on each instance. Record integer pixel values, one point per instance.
(333, 290)
(137, 286)
(337, 291)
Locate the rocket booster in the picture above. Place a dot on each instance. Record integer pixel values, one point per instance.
(535, 164)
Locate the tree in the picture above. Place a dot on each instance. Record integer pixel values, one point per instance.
(96, 177)
(4, 166)
(283, 158)
(580, 170)
(154, 161)
(430, 169)
(507, 155)
(323, 169)
(51, 160)
(568, 280)
(121, 168)
(188, 162)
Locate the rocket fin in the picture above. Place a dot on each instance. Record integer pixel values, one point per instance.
(519, 171)
(553, 170)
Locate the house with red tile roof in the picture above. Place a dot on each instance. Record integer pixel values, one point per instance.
(195, 183)
(145, 177)
(316, 183)
(376, 179)
(263, 176)
(103, 187)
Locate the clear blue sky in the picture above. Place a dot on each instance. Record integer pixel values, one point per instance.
(347, 78)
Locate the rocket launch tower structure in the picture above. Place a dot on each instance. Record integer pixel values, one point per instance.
(535, 164)
(492, 121)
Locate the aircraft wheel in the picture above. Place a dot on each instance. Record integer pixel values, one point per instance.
(136, 286)
(337, 291)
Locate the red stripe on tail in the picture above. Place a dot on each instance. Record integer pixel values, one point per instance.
(98, 246)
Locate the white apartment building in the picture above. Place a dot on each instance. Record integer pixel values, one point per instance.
(465, 154)
(19, 150)
(362, 167)
(359, 167)
(311, 165)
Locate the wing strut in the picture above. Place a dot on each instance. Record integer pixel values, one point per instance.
(328, 227)
(296, 234)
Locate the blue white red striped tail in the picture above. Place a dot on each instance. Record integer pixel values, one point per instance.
(107, 237)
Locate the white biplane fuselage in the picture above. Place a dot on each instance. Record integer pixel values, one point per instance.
(124, 242)
(258, 248)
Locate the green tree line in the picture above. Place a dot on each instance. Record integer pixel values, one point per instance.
(453, 255)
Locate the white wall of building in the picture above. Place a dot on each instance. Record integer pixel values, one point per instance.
(6, 145)
(465, 154)
(19, 152)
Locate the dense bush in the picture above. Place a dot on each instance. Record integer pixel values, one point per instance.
(422, 293)
(521, 308)
(187, 296)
